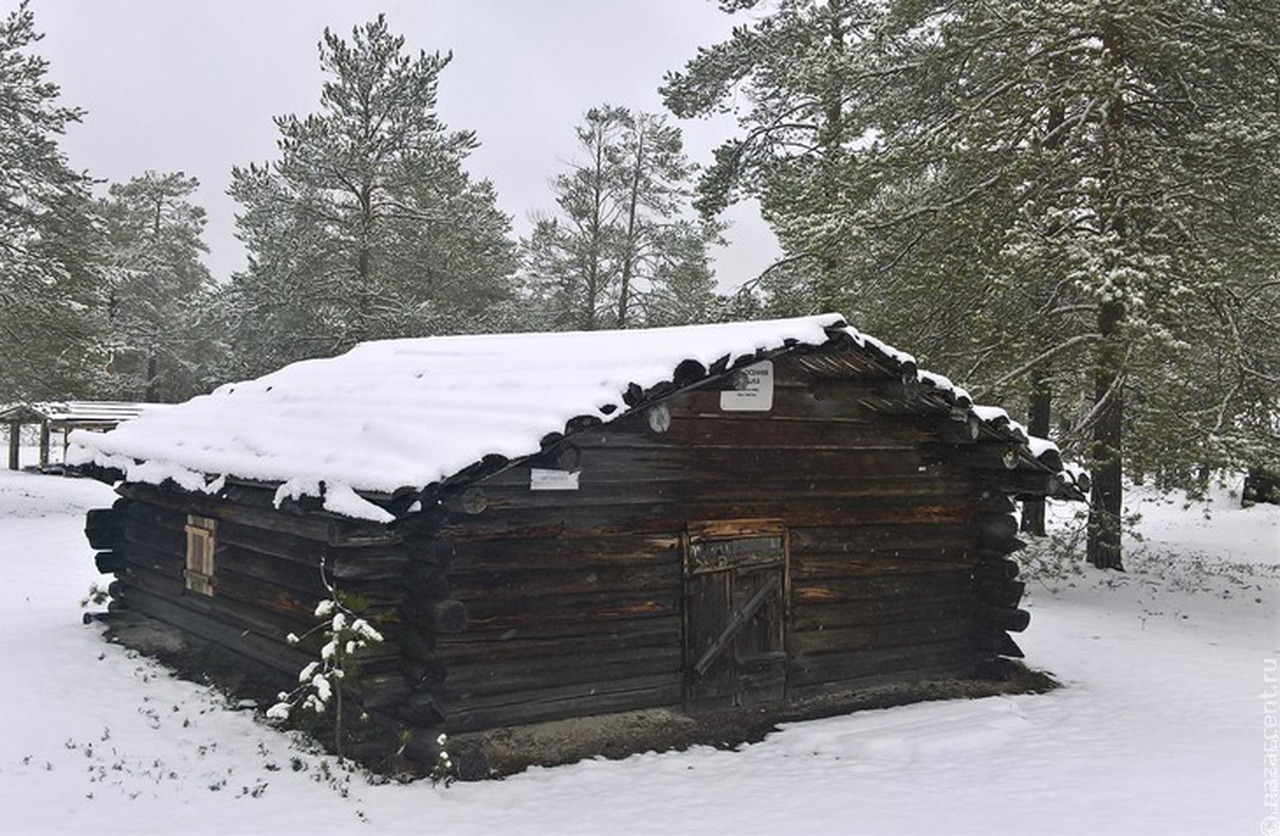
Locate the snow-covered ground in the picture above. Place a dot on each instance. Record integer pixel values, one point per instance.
(1161, 728)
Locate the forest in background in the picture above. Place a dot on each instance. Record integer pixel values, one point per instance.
(1069, 206)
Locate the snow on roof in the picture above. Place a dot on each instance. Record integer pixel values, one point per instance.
(78, 412)
(105, 412)
(406, 413)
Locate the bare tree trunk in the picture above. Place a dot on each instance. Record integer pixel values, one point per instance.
(364, 268)
(830, 296)
(152, 392)
(594, 290)
(630, 248)
(1106, 500)
(1038, 425)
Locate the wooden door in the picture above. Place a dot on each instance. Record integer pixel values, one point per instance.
(736, 585)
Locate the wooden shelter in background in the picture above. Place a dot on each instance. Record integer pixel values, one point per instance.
(62, 417)
(796, 524)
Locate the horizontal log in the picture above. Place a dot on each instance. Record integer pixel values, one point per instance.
(163, 549)
(488, 677)
(832, 667)
(266, 650)
(950, 668)
(583, 554)
(245, 607)
(743, 487)
(570, 521)
(469, 649)
(561, 703)
(998, 569)
(993, 502)
(422, 710)
(618, 464)
(425, 580)
(997, 669)
(226, 607)
(837, 400)
(997, 528)
(982, 456)
(109, 563)
(874, 567)
(104, 527)
(619, 480)
(963, 429)
(535, 583)
(1004, 618)
(442, 617)
(160, 540)
(417, 644)
(553, 630)
(765, 430)
(997, 642)
(1023, 484)
(169, 565)
(844, 537)
(376, 562)
(881, 589)
(155, 515)
(164, 574)
(306, 581)
(568, 610)
(331, 530)
(998, 592)
(382, 691)
(933, 628)
(423, 675)
(853, 613)
(313, 528)
(818, 567)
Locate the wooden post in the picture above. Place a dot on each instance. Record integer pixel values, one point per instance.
(15, 434)
(44, 445)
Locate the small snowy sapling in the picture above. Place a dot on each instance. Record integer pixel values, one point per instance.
(345, 634)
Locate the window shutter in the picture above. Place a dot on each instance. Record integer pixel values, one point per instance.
(201, 544)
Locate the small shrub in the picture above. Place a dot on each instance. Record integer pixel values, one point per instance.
(345, 634)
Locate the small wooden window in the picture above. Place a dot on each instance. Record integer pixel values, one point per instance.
(200, 569)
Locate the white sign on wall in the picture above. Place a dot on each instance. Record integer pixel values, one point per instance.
(541, 479)
(754, 392)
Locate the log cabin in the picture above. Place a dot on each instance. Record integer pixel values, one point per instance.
(711, 520)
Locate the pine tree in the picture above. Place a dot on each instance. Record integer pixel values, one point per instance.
(159, 289)
(49, 282)
(367, 226)
(1073, 203)
(619, 253)
(796, 68)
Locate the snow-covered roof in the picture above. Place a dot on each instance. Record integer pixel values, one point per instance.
(406, 413)
(78, 412)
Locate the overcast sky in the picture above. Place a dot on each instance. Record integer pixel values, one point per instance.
(192, 86)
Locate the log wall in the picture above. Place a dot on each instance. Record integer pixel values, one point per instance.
(267, 580)
(575, 600)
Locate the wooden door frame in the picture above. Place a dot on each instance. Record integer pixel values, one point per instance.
(726, 530)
